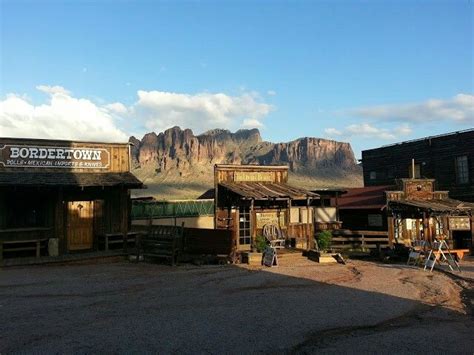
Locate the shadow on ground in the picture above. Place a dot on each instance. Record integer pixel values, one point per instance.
(125, 307)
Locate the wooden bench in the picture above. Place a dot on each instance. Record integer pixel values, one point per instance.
(109, 239)
(160, 242)
(10, 246)
(24, 239)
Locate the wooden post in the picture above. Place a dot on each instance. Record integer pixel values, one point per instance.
(38, 248)
(391, 235)
(1, 251)
(471, 218)
(124, 227)
(308, 229)
(363, 242)
(417, 226)
(426, 228)
(253, 225)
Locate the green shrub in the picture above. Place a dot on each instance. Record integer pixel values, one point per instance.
(324, 240)
(260, 243)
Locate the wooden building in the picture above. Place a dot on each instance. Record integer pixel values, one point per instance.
(364, 208)
(448, 159)
(416, 211)
(68, 192)
(326, 211)
(249, 197)
(411, 210)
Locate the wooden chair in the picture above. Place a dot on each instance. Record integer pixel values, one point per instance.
(274, 235)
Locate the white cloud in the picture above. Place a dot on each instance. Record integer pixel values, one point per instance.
(332, 132)
(52, 90)
(62, 117)
(271, 93)
(160, 110)
(366, 130)
(252, 123)
(459, 109)
(117, 108)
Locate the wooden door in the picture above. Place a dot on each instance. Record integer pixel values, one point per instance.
(80, 225)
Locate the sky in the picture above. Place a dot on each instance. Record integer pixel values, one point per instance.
(366, 72)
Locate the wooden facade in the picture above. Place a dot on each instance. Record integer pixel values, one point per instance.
(416, 211)
(411, 210)
(247, 197)
(448, 159)
(70, 192)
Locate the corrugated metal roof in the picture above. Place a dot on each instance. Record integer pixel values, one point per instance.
(263, 191)
(371, 197)
(69, 179)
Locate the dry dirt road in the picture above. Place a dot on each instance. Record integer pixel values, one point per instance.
(123, 307)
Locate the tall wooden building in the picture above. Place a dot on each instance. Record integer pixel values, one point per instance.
(449, 159)
(72, 192)
(249, 197)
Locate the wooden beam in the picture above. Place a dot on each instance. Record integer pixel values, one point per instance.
(471, 218)
(391, 234)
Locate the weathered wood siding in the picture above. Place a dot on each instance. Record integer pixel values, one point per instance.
(435, 157)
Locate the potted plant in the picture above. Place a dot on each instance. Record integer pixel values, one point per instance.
(322, 253)
(255, 257)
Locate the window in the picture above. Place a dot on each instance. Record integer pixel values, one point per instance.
(462, 170)
(245, 237)
(25, 211)
(373, 175)
(375, 220)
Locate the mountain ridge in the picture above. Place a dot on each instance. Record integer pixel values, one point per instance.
(172, 160)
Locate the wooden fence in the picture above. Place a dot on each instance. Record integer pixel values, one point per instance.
(208, 241)
(359, 240)
(199, 241)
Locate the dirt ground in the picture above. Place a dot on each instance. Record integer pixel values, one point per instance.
(121, 307)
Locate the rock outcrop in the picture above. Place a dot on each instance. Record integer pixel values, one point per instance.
(180, 151)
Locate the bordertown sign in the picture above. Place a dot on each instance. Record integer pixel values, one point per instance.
(37, 156)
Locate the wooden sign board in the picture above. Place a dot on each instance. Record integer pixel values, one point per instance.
(254, 176)
(270, 218)
(459, 223)
(418, 189)
(57, 157)
(270, 257)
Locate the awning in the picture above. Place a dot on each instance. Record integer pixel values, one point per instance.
(69, 179)
(264, 191)
(447, 205)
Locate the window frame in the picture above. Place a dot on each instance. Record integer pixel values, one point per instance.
(462, 175)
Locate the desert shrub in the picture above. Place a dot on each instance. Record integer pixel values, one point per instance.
(324, 240)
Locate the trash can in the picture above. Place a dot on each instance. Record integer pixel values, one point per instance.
(53, 247)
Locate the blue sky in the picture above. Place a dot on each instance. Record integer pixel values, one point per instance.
(367, 72)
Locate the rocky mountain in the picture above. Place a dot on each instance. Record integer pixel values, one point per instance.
(185, 161)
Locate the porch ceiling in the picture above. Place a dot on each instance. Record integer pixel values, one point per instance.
(69, 179)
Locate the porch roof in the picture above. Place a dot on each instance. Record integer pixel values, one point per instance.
(69, 179)
(445, 206)
(264, 191)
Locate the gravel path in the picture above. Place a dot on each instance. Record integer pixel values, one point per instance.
(304, 307)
